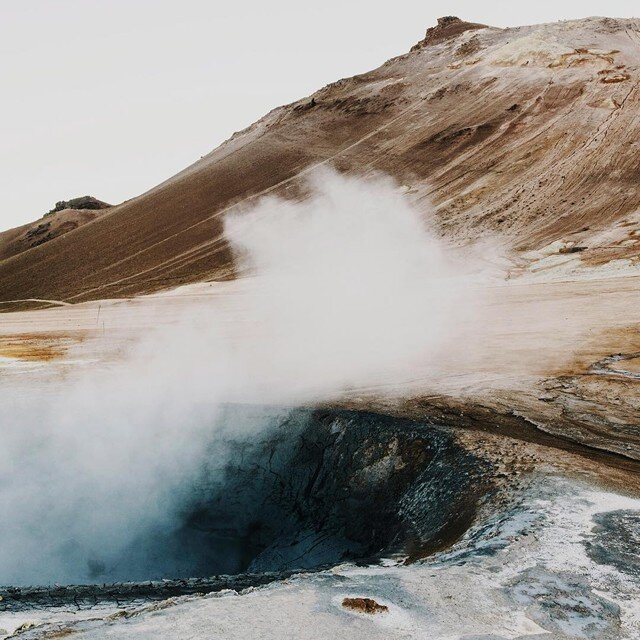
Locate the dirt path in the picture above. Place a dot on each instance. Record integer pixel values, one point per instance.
(56, 303)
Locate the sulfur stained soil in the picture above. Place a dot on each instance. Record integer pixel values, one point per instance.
(364, 605)
(34, 347)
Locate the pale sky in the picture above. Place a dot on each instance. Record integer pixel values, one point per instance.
(110, 97)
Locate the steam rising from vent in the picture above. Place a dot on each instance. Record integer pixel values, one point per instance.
(352, 286)
(349, 289)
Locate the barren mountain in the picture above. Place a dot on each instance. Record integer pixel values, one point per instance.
(529, 132)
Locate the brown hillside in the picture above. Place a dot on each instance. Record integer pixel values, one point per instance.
(530, 132)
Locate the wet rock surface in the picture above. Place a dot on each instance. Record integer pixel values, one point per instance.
(347, 485)
(129, 594)
(566, 604)
(616, 541)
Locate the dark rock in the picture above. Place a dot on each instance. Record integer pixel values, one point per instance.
(447, 28)
(83, 202)
(616, 540)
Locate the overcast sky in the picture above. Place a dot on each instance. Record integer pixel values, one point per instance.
(110, 97)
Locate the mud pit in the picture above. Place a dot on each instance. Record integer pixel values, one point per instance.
(315, 489)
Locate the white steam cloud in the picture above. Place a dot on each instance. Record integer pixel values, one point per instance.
(350, 288)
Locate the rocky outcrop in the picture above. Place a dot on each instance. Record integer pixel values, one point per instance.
(448, 27)
(83, 202)
(317, 489)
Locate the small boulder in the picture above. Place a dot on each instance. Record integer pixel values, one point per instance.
(364, 605)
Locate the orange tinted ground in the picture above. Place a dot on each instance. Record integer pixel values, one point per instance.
(35, 346)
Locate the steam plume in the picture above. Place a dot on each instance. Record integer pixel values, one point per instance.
(349, 288)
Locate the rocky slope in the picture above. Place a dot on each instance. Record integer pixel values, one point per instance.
(530, 133)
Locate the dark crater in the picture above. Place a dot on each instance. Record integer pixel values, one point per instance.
(314, 489)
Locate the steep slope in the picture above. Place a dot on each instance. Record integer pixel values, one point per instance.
(530, 133)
